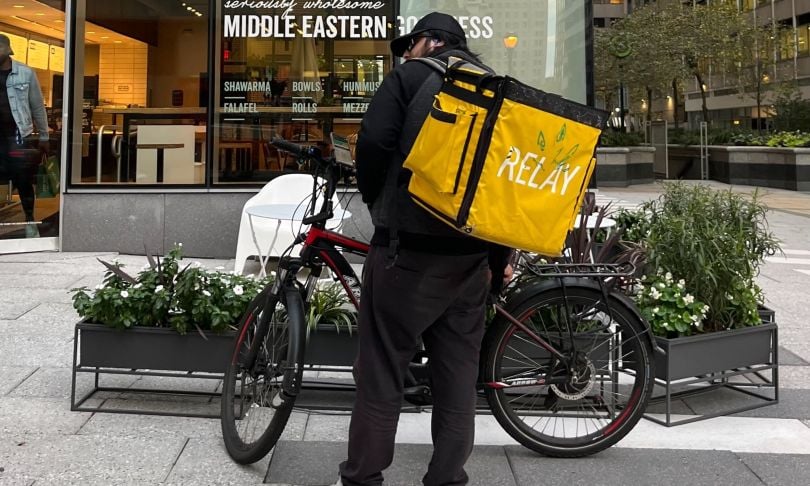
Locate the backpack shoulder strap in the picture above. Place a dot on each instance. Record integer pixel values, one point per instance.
(437, 64)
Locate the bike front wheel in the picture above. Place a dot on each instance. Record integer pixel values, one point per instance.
(575, 410)
(267, 363)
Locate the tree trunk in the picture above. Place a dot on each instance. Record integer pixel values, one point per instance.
(649, 104)
(675, 117)
(704, 108)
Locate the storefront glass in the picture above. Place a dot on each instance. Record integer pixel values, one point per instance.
(291, 68)
(145, 93)
(29, 170)
(300, 72)
(540, 42)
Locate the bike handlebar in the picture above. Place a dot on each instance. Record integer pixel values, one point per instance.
(295, 149)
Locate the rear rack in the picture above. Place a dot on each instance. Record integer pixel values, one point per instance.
(589, 270)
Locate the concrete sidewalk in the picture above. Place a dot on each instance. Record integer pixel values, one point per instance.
(43, 442)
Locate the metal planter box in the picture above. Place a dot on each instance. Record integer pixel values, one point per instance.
(152, 348)
(698, 364)
(690, 356)
(328, 347)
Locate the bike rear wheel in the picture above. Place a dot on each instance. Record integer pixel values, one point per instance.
(583, 411)
(267, 362)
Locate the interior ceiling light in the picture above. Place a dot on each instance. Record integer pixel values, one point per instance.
(39, 14)
(18, 6)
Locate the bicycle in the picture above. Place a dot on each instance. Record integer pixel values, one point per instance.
(566, 364)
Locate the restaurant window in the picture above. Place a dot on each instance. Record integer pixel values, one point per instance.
(540, 42)
(300, 73)
(802, 38)
(30, 177)
(144, 93)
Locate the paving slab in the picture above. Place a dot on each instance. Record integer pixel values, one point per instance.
(10, 310)
(789, 358)
(793, 404)
(12, 376)
(205, 461)
(46, 281)
(21, 418)
(329, 427)
(34, 296)
(27, 349)
(621, 467)
(149, 426)
(49, 382)
(84, 460)
(737, 434)
(775, 469)
(310, 463)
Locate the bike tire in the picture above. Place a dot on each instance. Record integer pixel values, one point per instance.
(617, 364)
(254, 418)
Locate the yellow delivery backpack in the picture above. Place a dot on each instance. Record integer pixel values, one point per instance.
(502, 161)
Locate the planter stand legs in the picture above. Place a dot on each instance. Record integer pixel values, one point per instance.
(719, 380)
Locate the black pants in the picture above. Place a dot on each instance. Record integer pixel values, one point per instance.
(15, 167)
(442, 299)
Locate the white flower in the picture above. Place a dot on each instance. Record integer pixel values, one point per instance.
(99, 286)
(689, 299)
(206, 293)
(666, 324)
(661, 285)
(705, 308)
(655, 294)
(668, 277)
(681, 282)
(124, 294)
(180, 245)
(695, 319)
(137, 285)
(238, 290)
(655, 310)
(158, 288)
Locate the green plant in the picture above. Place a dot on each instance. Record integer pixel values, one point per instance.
(792, 112)
(164, 295)
(615, 138)
(715, 241)
(680, 136)
(668, 307)
(789, 139)
(634, 224)
(330, 304)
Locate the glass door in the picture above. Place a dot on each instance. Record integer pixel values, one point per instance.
(32, 60)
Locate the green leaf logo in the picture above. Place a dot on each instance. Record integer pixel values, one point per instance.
(561, 135)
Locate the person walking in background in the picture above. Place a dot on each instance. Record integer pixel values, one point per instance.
(21, 109)
(421, 278)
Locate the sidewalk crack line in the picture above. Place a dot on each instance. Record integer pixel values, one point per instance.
(29, 375)
(748, 467)
(177, 458)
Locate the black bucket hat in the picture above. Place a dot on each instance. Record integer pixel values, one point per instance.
(5, 40)
(430, 22)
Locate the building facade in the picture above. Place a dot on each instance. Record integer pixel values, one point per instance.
(789, 61)
(160, 112)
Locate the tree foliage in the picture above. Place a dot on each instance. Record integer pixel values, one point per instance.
(671, 43)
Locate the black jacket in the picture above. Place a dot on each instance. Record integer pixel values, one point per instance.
(387, 133)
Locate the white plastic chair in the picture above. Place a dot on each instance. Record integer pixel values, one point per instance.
(285, 189)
